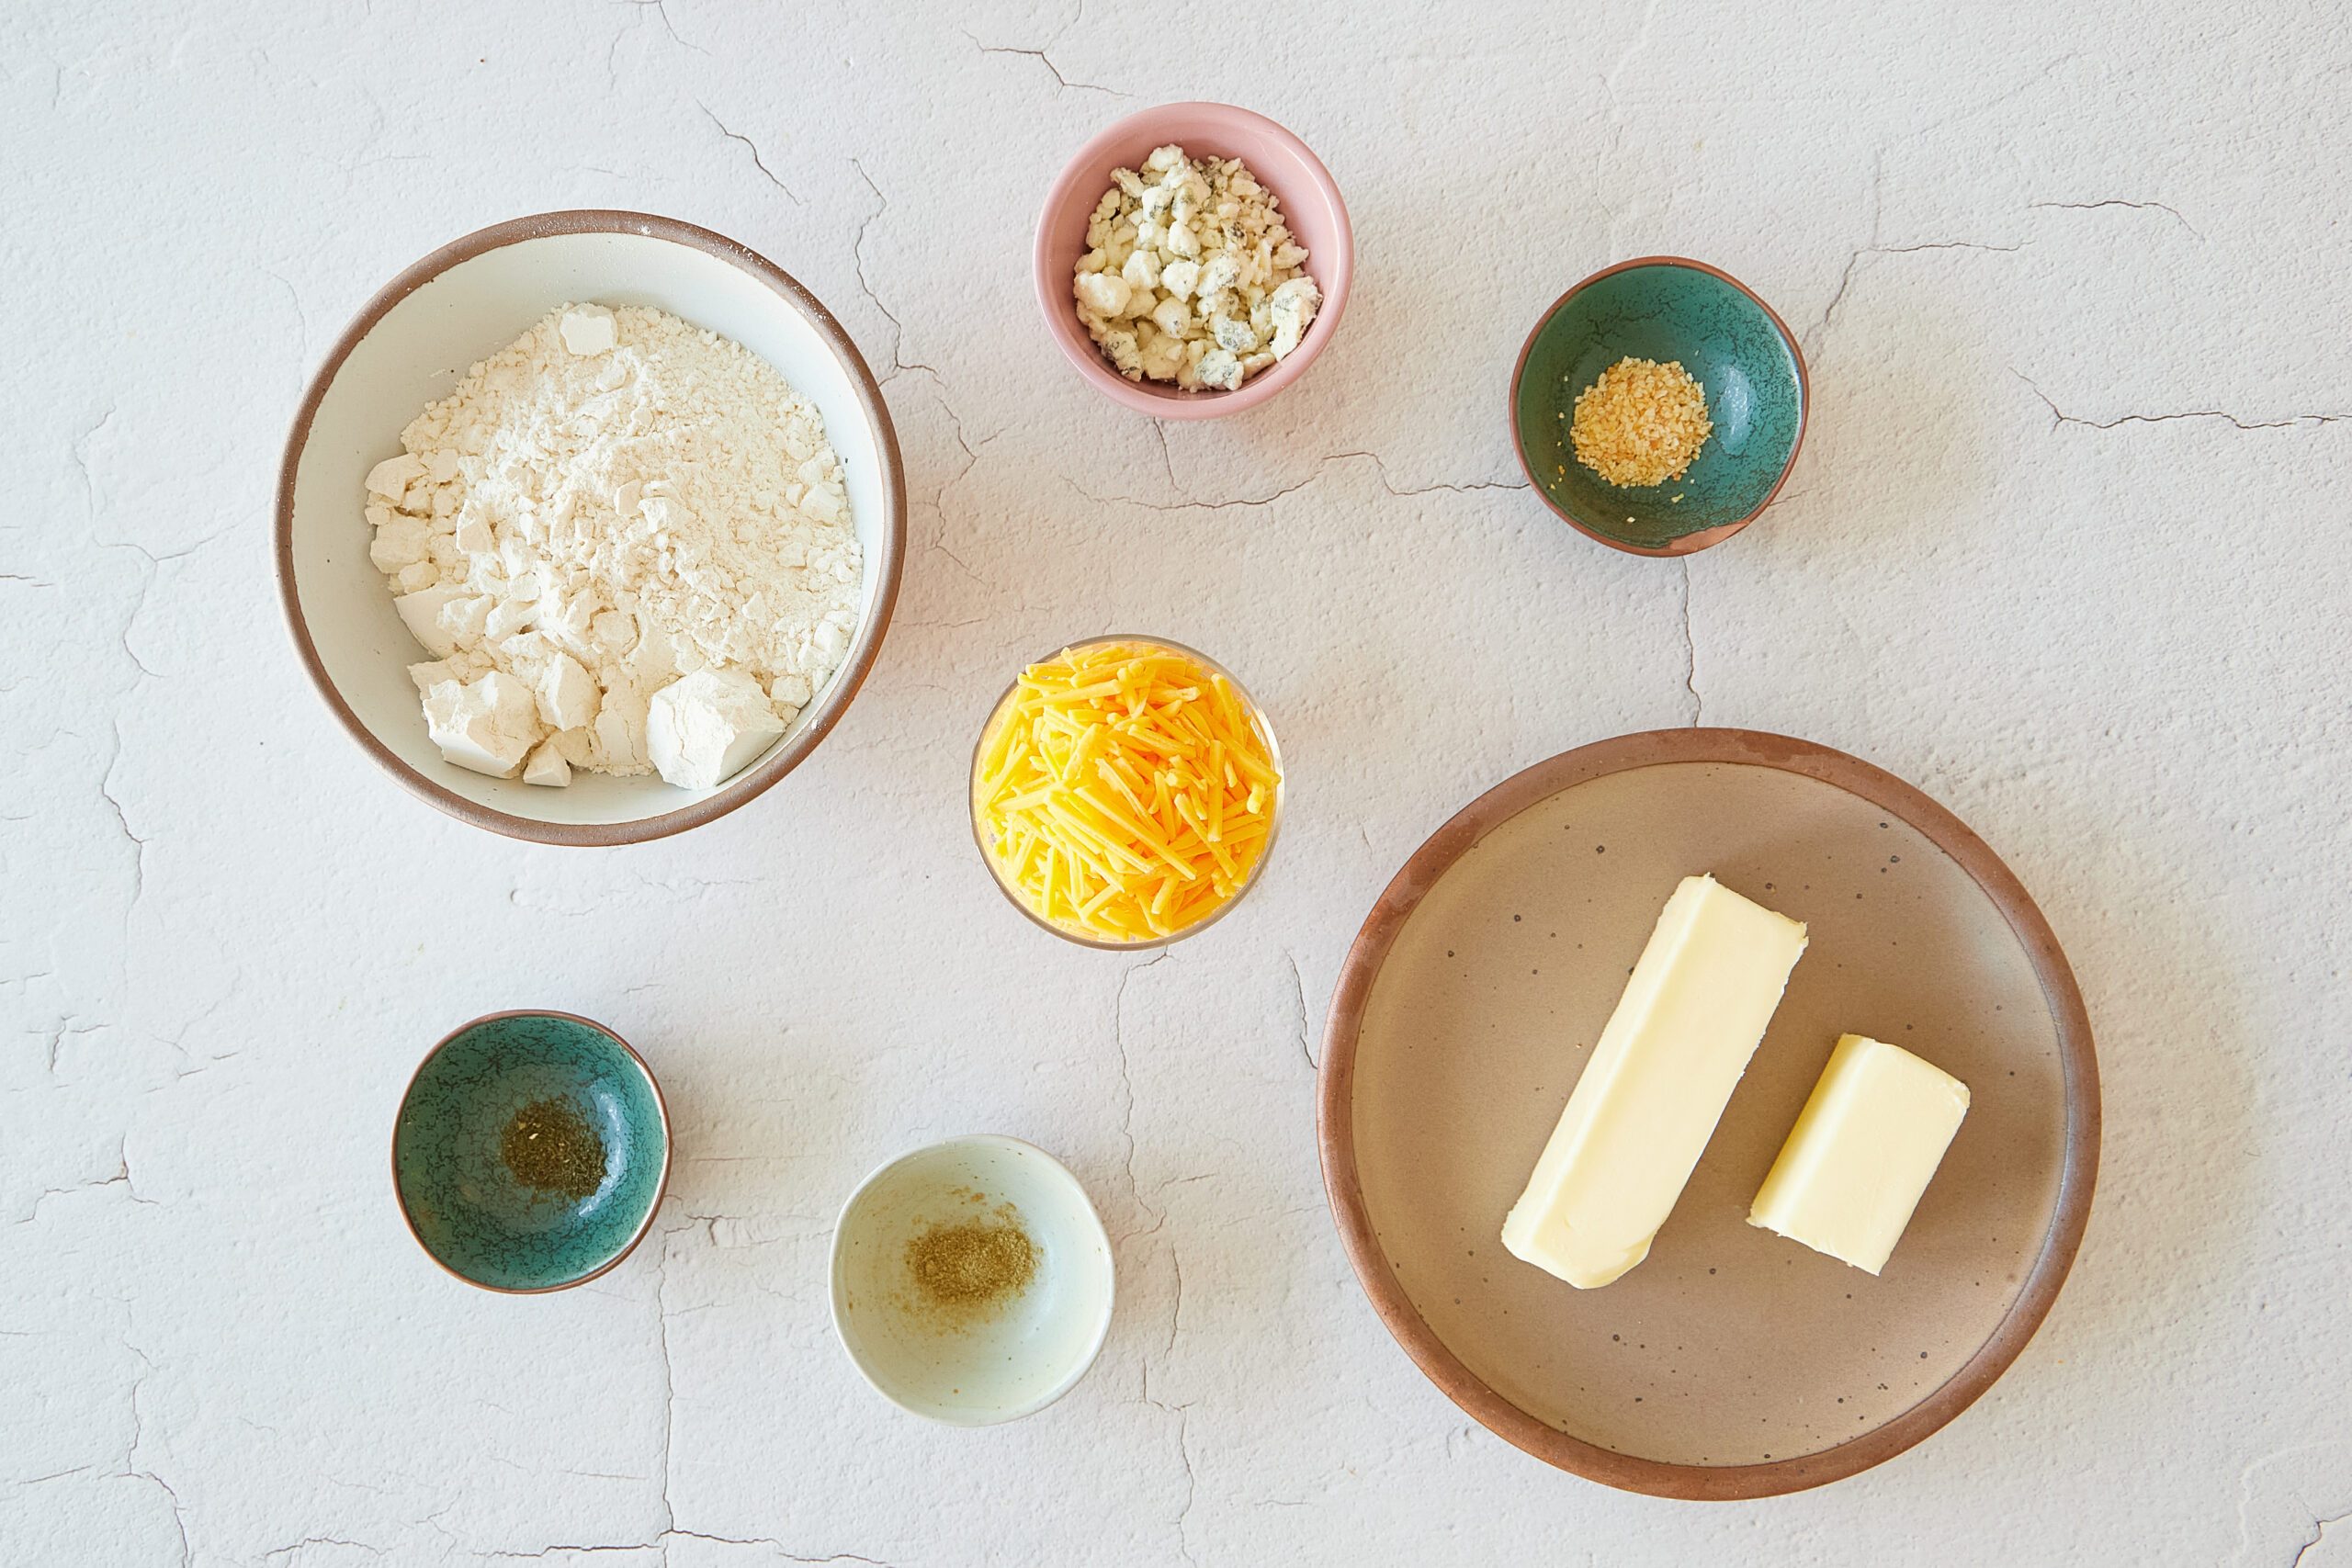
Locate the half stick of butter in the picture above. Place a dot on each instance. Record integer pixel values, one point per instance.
(1659, 1077)
(1861, 1153)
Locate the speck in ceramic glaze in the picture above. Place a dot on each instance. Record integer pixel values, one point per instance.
(1727, 341)
(468, 1209)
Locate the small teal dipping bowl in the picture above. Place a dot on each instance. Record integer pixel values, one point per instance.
(1664, 308)
(470, 1210)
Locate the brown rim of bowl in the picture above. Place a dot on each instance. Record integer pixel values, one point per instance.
(661, 1106)
(865, 648)
(1265, 851)
(1688, 544)
(1336, 1131)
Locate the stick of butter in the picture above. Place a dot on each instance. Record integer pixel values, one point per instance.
(1861, 1153)
(1659, 1077)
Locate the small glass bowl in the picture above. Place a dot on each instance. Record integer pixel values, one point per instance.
(1273, 817)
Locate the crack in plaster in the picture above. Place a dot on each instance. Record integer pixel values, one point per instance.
(2319, 1533)
(2117, 201)
(1690, 651)
(638, 9)
(121, 1178)
(1042, 56)
(898, 328)
(662, 9)
(971, 450)
(661, 1544)
(179, 1519)
(2060, 417)
(1946, 245)
(1182, 1413)
(302, 316)
(122, 819)
(1167, 462)
(668, 1378)
(749, 146)
(1845, 279)
(901, 365)
(1128, 1084)
(1298, 989)
(960, 564)
(156, 558)
(1379, 470)
(1812, 336)
(54, 1474)
(130, 1470)
(64, 1031)
(209, 1063)
(311, 1541)
(139, 608)
(77, 452)
(1192, 1481)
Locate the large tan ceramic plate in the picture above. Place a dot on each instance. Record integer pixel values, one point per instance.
(1732, 1363)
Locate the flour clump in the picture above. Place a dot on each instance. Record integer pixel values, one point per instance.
(618, 514)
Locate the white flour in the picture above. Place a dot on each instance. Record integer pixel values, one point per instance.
(615, 501)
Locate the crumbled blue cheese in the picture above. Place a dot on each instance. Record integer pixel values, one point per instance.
(1190, 276)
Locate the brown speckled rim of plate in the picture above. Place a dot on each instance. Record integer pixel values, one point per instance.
(1336, 1130)
(865, 648)
(1687, 543)
(661, 1188)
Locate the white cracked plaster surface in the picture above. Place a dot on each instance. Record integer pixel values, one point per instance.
(2067, 547)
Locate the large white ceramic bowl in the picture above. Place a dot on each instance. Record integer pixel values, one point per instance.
(409, 346)
(999, 1366)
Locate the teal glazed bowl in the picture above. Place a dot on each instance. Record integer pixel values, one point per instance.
(1664, 308)
(530, 1151)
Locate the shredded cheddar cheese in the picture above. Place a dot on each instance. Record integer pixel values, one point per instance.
(1123, 790)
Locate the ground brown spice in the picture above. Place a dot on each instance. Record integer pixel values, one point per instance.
(967, 1267)
(551, 1147)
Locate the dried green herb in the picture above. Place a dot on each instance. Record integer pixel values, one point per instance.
(970, 1265)
(551, 1148)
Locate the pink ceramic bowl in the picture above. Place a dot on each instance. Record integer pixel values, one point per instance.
(1310, 204)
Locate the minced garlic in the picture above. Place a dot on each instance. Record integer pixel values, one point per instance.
(1641, 424)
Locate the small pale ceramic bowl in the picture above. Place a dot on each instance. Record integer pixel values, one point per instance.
(1265, 851)
(468, 1210)
(1310, 205)
(409, 346)
(1664, 308)
(971, 1370)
